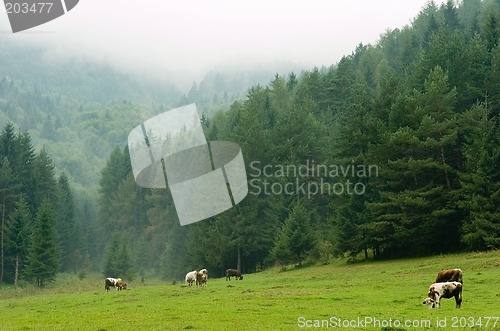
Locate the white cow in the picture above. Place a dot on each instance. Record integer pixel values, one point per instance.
(191, 277)
(443, 290)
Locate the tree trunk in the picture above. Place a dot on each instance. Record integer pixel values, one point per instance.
(238, 267)
(2, 228)
(16, 274)
(443, 161)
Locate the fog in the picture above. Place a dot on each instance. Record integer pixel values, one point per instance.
(182, 40)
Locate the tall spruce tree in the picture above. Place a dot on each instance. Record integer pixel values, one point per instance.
(66, 226)
(18, 237)
(296, 237)
(9, 192)
(480, 181)
(43, 259)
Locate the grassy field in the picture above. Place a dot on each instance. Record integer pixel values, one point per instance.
(383, 295)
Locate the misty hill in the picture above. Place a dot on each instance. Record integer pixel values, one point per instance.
(80, 110)
(222, 85)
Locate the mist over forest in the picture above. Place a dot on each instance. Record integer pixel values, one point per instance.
(421, 106)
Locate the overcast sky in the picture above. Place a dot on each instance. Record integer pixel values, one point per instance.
(193, 36)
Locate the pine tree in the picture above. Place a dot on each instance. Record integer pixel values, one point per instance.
(43, 259)
(416, 203)
(480, 181)
(44, 178)
(111, 268)
(66, 224)
(296, 237)
(118, 262)
(18, 235)
(9, 192)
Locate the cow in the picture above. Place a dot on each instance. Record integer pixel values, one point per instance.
(449, 275)
(202, 277)
(233, 272)
(446, 290)
(120, 284)
(110, 282)
(191, 277)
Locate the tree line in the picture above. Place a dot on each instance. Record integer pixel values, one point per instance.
(40, 231)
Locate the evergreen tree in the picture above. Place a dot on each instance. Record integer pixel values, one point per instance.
(118, 260)
(9, 192)
(296, 237)
(43, 259)
(44, 178)
(18, 237)
(480, 192)
(66, 228)
(111, 268)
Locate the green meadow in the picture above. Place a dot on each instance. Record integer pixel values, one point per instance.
(371, 295)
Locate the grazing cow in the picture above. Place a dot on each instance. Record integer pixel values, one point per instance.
(110, 282)
(202, 277)
(443, 290)
(120, 284)
(450, 275)
(191, 277)
(233, 272)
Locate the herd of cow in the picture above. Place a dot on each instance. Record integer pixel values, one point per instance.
(448, 284)
(199, 278)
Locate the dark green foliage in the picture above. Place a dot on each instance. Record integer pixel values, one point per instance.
(480, 181)
(18, 237)
(118, 263)
(296, 237)
(43, 258)
(67, 228)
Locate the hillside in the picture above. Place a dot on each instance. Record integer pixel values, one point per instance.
(80, 110)
(371, 293)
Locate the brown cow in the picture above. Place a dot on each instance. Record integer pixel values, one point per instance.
(449, 275)
(233, 272)
(120, 285)
(202, 277)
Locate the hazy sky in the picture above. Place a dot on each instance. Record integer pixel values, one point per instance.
(189, 37)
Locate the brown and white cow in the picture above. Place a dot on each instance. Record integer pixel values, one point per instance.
(233, 272)
(446, 290)
(202, 277)
(111, 282)
(449, 275)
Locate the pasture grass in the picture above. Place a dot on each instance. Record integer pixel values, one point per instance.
(313, 297)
